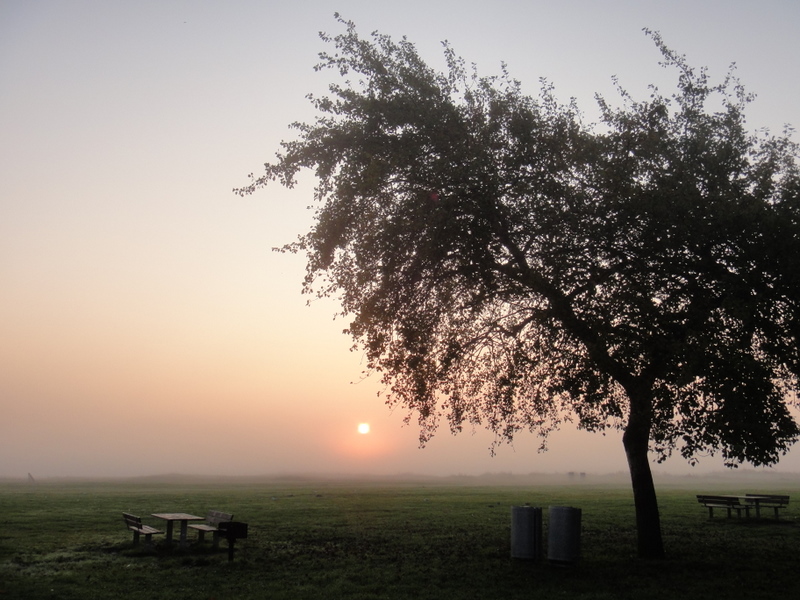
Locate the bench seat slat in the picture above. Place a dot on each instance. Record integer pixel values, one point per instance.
(148, 529)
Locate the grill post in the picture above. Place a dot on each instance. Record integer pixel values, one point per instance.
(232, 531)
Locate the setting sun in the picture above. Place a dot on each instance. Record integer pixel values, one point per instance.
(363, 428)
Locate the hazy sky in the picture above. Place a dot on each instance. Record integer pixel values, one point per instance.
(145, 324)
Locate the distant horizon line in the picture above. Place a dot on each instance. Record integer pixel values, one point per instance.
(402, 477)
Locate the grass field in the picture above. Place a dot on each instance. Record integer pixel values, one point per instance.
(381, 540)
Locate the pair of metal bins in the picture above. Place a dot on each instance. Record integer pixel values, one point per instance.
(563, 535)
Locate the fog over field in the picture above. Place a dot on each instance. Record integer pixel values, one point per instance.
(146, 325)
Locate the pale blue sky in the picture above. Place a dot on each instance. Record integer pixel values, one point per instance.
(140, 298)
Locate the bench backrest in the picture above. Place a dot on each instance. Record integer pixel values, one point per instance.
(725, 500)
(132, 521)
(712, 498)
(215, 517)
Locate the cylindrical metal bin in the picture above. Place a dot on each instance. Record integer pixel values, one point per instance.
(526, 532)
(564, 535)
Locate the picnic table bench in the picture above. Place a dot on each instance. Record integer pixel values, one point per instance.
(729, 503)
(774, 501)
(213, 519)
(135, 524)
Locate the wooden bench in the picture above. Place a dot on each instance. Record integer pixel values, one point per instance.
(729, 503)
(774, 501)
(213, 519)
(134, 523)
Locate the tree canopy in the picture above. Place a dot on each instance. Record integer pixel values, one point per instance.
(504, 264)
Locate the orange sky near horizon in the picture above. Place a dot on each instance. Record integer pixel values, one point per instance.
(146, 325)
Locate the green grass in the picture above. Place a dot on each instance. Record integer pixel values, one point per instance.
(365, 541)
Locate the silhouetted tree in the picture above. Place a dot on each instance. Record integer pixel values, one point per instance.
(508, 266)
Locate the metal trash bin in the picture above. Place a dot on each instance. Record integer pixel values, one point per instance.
(564, 535)
(526, 532)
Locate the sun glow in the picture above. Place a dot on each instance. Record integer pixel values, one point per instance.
(363, 428)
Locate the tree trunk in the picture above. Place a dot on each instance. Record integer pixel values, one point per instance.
(648, 522)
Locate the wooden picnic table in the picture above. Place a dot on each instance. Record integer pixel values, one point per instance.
(743, 502)
(171, 518)
(759, 500)
(773, 501)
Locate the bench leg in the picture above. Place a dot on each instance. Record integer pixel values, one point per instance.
(201, 535)
(135, 538)
(215, 544)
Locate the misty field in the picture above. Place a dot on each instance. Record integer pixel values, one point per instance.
(384, 540)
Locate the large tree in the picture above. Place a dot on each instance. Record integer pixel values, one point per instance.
(504, 264)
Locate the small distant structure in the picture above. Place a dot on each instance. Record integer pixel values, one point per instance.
(31, 479)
